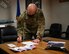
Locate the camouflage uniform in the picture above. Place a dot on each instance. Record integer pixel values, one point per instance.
(29, 26)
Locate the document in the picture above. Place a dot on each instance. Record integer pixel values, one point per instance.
(23, 48)
(29, 43)
(11, 45)
(28, 46)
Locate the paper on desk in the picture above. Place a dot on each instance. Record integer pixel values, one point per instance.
(18, 49)
(11, 45)
(23, 48)
(29, 43)
(29, 46)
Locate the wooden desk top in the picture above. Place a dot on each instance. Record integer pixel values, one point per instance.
(39, 50)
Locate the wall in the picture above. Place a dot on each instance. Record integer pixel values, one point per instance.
(60, 13)
(46, 10)
(10, 13)
(14, 7)
(4, 13)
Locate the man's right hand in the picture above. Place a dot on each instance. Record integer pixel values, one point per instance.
(36, 40)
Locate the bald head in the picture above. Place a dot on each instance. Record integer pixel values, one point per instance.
(31, 9)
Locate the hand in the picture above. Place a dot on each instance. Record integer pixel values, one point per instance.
(36, 41)
(19, 39)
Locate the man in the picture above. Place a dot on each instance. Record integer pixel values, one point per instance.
(31, 23)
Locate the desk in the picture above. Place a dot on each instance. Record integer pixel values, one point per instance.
(39, 50)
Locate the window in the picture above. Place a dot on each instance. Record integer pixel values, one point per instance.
(37, 2)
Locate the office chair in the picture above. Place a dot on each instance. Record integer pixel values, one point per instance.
(67, 33)
(8, 34)
(55, 30)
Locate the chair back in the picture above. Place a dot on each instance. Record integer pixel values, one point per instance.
(8, 34)
(67, 32)
(55, 30)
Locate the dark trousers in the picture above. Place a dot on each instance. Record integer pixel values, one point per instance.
(29, 36)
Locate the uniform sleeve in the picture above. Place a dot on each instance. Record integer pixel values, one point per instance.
(20, 23)
(41, 23)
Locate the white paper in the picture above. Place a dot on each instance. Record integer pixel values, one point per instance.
(29, 43)
(15, 49)
(29, 46)
(11, 45)
(23, 48)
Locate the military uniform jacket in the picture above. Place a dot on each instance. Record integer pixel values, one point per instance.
(31, 24)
